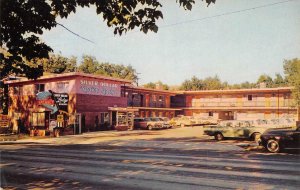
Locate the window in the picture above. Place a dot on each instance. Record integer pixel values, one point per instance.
(210, 113)
(39, 88)
(62, 86)
(249, 97)
(38, 119)
(160, 98)
(18, 90)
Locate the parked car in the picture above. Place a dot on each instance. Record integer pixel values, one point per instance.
(148, 123)
(276, 140)
(234, 128)
(204, 120)
(183, 121)
(167, 122)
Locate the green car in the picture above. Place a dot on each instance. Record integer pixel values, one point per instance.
(234, 128)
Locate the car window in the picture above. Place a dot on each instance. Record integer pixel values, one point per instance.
(155, 119)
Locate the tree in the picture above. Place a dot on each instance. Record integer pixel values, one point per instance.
(159, 84)
(193, 84)
(279, 81)
(150, 85)
(292, 74)
(23, 21)
(212, 83)
(59, 64)
(90, 65)
(265, 79)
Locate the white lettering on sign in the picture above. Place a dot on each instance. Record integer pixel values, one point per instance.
(99, 88)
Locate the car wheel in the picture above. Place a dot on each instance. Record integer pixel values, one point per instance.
(219, 136)
(256, 137)
(150, 127)
(273, 146)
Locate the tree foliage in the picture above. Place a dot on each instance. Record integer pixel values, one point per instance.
(157, 85)
(59, 64)
(209, 83)
(22, 22)
(292, 73)
(90, 65)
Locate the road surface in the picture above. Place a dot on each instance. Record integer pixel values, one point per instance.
(159, 162)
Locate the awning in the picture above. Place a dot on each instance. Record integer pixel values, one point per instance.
(122, 109)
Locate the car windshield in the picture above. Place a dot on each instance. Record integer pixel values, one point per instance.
(165, 119)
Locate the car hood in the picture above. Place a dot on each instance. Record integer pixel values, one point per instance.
(278, 131)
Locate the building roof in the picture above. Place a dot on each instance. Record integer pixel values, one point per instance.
(65, 75)
(142, 89)
(252, 90)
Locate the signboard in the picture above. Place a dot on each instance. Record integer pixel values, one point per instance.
(98, 87)
(4, 120)
(61, 101)
(53, 101)
(60, 118)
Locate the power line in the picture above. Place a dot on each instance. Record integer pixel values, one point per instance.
(74, 33)
(225, 14)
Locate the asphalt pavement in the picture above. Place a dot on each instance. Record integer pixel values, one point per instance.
(181, 158)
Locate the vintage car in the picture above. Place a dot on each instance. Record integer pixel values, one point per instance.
(234, 128)
(183, 121)
(276, 140)
(167, 122)
(204, 120)
(149, 123)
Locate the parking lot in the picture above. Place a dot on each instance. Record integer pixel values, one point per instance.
(180, 158)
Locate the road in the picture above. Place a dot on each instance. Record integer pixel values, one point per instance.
(174, 159)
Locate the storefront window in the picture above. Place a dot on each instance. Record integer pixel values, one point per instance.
(38, 119)
(122, 118)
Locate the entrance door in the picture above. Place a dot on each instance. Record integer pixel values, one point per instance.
(77, 126)
(113, 118)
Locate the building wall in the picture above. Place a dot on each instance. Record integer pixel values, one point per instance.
(241, 105)
(87, 96)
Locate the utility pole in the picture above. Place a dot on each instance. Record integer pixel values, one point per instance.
(137, 79)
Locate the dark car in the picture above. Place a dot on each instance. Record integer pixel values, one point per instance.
(276, 140)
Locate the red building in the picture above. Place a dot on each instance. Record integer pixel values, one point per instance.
(97, 101)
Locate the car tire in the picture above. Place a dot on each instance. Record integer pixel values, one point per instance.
(219, 136)
(273, 146)
(150, 127)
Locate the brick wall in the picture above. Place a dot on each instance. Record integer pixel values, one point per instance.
(95, 103)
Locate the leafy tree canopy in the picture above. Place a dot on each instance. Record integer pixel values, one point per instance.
(90, 65)
(22, 21)
(292, 73)
(209, 83)
(157, 85)
(59, 64)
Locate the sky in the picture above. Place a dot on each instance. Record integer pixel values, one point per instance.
(227, 39)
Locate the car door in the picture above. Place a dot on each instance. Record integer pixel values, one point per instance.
(144, 122)
(296, 138)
